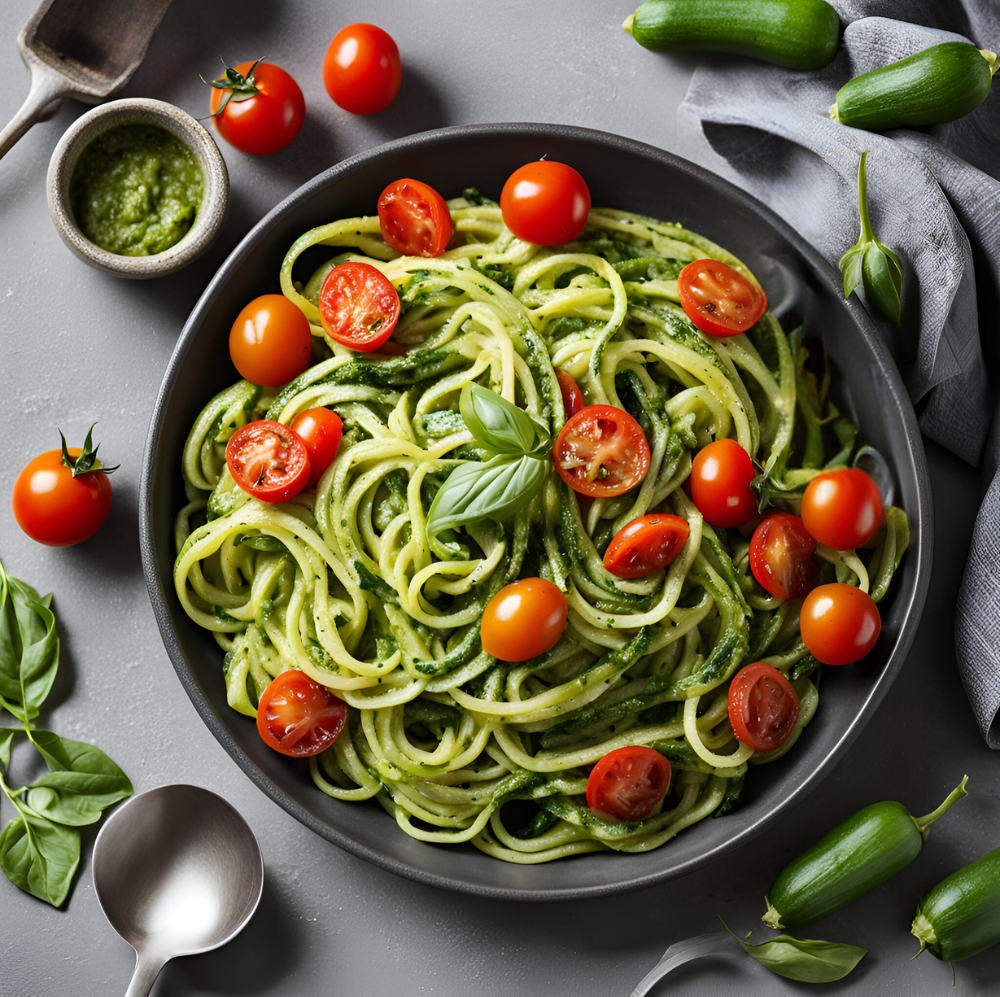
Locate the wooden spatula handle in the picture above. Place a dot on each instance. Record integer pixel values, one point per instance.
(47, 86)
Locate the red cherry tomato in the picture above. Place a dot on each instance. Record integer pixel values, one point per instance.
(545, 203)
(523, 620)
(268, 460)
(267, 120)
(601, 452)
(270, 342)
(781, 556)
(628, 783)
(763, 706)
(842, 509)
(839, 623)
(718, 299)
(361, 69)
(645, 545)
(358, 306)
(320, 430)
(53, 507)
(414, 218)
(720, 484)
(572, 396)
(299, 717)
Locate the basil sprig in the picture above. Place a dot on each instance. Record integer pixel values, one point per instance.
(869, 263)
(40, 847)
(517, 449)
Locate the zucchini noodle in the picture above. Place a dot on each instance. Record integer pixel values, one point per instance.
(342, 583)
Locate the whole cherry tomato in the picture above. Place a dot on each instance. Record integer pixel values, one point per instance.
(358, 306)
(299, 717)
(645, 545)
(839, 623)
(763, 706)
(320, 430)
(546, 203)
(523, 620)
(720, 484)
(270, 342)
(718, 299)
(361, 69)
(842, 509)
(257, 107)
(414, 218)
(628, 783)
(781, 556)
(268, 460)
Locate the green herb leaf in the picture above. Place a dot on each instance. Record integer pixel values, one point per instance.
(498, 425)
(475, 491)
(6, 740)
(259, 541)
(38, 856)
(29, 648)
(82, 781)
(804, 959)
(876, 267)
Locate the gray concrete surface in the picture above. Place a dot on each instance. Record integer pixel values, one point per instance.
(77, 346)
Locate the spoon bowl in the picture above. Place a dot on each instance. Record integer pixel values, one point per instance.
(177, 871)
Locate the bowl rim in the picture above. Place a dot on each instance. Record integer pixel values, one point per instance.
(156, 573)
(137, 110)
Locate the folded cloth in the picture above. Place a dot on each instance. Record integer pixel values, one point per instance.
(934, 197)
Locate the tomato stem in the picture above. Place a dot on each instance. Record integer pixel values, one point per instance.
(86, 462)
(238, 86)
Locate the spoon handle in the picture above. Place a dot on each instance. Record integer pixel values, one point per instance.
(147, 969)
(46, 86)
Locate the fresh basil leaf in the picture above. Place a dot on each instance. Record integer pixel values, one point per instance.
(497, 424)
(29, 648)
(39, 857)
(82, 781)
(850, 267)
(6, 740)
(804, 959)
(259, 541)
(475, 491)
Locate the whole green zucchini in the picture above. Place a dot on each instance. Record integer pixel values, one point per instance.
(855, 857)
(799, 34)
(960, 917)
(939, 84)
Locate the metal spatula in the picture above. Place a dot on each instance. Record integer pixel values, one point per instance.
(86, 49)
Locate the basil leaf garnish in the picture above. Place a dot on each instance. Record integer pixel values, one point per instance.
(876, 267)
(498, 425)
(6, 740)
(29, 648)
(39, 856)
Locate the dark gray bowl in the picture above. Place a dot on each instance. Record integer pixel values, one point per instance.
(621, 173)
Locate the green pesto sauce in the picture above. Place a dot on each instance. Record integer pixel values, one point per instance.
(135, 190)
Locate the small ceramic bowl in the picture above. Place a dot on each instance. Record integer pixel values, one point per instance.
(140, 110)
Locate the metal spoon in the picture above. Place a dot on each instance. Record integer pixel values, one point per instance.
(177, 871)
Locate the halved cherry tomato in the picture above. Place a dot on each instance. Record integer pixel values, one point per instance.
(268, 460)
(720, 484)
(718, 299)
(763, 706)
(839, 623)
(572, 396)
(601, 452)
(266, 120)
(414, 218)
(523, 620)
(320, 430)
(781, 556)
(299, 717)
(628, 783)
(645, 545)
(545, 203)
(842, 509)
(270, 341)
(361, 69)
(54, 506)
(358, 306)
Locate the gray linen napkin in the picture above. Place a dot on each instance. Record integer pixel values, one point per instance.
(935, 198)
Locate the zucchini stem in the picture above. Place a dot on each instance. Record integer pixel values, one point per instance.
(923, 931)
(990, 57)
(771, 917)
(924, 823)
(627, 25)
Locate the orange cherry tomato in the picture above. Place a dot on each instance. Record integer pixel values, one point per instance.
(414, 218)
(572, 396)
(268, 460)
(839, 623)
(763, 706)
(299, 717)
(546, 203)
(781, 556)
(320, 430)
(270, 342)
(720, 484)
(55, 508)
(523, 620)
(358, 306)
(267, 120)
(628, 783)
(645, 545)
(842, 509)
(718, 299)
(361, 69)
(601, 452)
